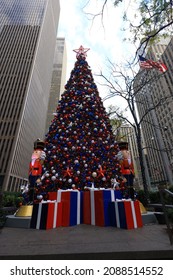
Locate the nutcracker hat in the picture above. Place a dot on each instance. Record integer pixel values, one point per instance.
(39, 144)
(123, 145)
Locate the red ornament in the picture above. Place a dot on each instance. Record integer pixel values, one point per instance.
(76, 179)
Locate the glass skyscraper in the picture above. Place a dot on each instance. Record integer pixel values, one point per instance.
(28, 30)
(58, 79)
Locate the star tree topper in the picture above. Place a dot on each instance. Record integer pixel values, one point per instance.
(81, 51)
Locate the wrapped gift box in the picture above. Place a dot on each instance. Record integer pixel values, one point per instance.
(71, 207)
(117, 194)
(96, 206)
(46, 215)
(57, 222)
(75, 208)
(89, 206)
(125, 214)
(86, 208)
(65, 199)
(53, 195)
(97, 209)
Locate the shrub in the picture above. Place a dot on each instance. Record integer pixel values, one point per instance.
(2, 219)
(141, 197)
(154, 197)
(12, 199)
(170, 214)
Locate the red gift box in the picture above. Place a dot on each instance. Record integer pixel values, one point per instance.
(71, 207)
(65, 199)
(99, 208)
(52, 195)
(93, 208)
(86, 208)
(50, 215)
(46, 215)
(126, 214)
(57, 222)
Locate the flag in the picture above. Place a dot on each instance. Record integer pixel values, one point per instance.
(150, 64)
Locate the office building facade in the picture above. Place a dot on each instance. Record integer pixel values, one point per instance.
(28, 31)
(58, 79)
(127, 134)
(155, 102)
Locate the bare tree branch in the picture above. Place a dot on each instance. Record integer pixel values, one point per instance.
(125, 84)
(157, 20)
(101, 13)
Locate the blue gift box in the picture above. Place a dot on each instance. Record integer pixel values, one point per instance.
(109, 196)
(75, 208)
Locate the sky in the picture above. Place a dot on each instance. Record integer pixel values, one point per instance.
(105, 41)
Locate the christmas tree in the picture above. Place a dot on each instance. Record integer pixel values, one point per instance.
(80, 146)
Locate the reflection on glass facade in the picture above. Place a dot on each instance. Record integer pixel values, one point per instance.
(28, 31)
(22, 12)
(58, 79)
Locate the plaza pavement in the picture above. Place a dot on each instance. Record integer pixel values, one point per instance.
(86, 242)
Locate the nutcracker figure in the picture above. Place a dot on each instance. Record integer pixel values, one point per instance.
(35, 167)
(127, 168)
